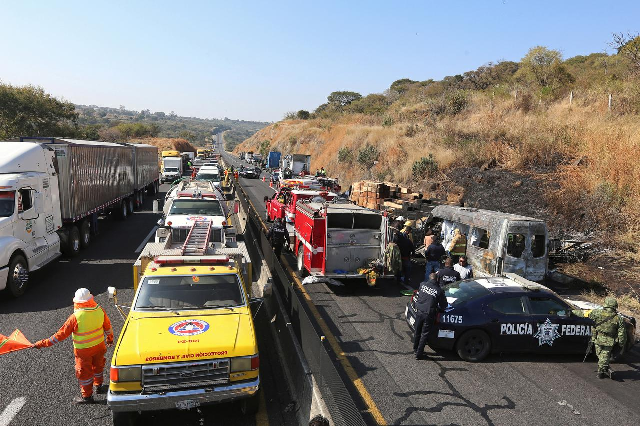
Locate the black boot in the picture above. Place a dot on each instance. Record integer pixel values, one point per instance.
(601, 374)
(83, 400)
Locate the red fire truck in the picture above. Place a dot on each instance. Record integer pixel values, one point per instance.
(283, 203)
(336, 240)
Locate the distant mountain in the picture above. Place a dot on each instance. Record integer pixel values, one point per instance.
(99, 121)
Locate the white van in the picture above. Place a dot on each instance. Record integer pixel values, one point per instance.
(496, 242)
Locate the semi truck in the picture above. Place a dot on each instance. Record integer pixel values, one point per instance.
(299, 164)
(273, 160)
(52, 191)
(172, 168)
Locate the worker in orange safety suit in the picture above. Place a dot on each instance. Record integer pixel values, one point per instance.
(88, 324)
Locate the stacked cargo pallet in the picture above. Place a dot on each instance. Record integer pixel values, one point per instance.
(369, 194)
(389, 196)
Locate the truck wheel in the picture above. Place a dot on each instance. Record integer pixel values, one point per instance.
(122, 212)
(474, 345)
(73, 245)
(131, 205)
(18, 276)
(301, 271)
(123, 418)
(251, 405)
(266, 216)
(85, 234)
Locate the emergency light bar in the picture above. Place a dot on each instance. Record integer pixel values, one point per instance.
(179, 260)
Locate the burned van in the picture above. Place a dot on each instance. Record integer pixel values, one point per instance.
(496, 242)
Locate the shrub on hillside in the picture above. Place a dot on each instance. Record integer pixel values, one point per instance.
(425, 167)
(372, 104)
(345, 155)
(368, 156)
(456, 102)
(303, 114)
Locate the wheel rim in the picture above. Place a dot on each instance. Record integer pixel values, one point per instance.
(474, 345)
(300, 259)
(20, 275)
(76, 244)
(85, 238)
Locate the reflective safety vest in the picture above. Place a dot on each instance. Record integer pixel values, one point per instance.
(90, 332)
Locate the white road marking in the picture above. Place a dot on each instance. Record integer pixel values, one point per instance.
(12, 409)
(144, 242)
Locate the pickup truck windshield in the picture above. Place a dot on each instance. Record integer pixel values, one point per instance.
(189, 292)
(202, 207)
(7, 203)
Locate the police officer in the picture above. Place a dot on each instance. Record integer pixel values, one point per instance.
(430, 300)
(447, 275)
(609, 331)
(278, 235)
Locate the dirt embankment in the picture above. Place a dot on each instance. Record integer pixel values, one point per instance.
(571, 165)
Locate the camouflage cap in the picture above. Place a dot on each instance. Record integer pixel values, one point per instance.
(611, 302)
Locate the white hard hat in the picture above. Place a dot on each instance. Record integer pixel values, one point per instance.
(400, 218)
(82, 295)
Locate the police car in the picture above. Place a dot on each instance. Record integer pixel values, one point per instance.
(508, 314)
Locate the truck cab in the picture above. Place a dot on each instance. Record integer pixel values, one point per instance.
(189, 338)
(191, 202)
(283, 203)
(171, 169)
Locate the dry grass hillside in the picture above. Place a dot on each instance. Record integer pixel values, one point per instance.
(576, 166)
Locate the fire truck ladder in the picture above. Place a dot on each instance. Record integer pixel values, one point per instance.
(198, 238)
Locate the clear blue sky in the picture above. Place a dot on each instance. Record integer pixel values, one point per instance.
(257, 60)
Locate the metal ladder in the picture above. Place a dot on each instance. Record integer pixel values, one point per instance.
(198, 239)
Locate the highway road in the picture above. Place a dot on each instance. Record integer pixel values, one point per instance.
(37, 386)
(443, 390)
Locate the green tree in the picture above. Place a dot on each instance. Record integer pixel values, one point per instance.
(628, 46)
(30, 111)
(402, 85)
(343, 98)
(188, 135)
(540, 65)
(303, 115)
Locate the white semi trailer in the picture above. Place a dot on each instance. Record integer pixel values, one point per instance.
(52, 191)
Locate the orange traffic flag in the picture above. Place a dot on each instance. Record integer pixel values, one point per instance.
(15, 342)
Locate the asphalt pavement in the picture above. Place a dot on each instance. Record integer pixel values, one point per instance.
(514, 389)
(37, 386)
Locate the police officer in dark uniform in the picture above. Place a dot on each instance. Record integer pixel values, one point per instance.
(278, 235)
(447, 275)
(430, 300)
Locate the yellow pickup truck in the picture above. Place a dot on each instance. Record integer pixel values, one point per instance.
(188, 340)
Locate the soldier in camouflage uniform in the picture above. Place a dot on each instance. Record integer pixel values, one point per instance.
(609, 330)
